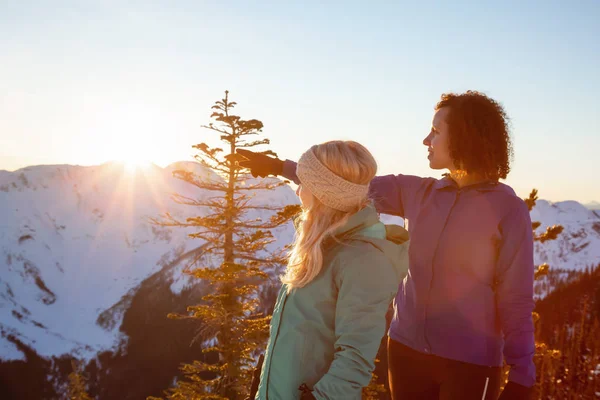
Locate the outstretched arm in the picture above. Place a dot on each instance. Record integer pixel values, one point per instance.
(392, 194)
(398, 195)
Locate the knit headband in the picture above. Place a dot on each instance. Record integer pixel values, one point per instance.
(331, 189)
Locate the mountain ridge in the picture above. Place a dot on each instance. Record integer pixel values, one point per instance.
(76, 242)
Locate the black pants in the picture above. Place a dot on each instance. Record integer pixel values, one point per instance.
(418, 376)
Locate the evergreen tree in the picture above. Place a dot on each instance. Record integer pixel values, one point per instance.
(545, 357)
(77, 383)
(375, 390)
(233, 329)
(570, 323)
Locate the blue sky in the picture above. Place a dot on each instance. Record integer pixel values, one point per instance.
(85, 82)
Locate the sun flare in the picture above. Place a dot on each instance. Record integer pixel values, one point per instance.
(133, 165)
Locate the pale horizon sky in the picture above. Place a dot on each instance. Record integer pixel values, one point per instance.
(86, 82)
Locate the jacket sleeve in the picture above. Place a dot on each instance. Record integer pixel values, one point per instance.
(289, 171)
(392, 194)
(398, 195)
(366, 285)
(514, 294)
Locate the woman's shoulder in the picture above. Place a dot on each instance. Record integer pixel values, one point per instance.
(361, 255)
(508, 194)
(507, 203)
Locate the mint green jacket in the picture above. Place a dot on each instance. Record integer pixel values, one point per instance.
(326, 335)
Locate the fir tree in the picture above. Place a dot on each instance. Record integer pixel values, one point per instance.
(375, 389)
(229, 315)
(544, 356)
(77, 383)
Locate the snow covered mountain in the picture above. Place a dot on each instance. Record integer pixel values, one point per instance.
(593, 205)
(76, 245)
(578, 246)
(76, 241)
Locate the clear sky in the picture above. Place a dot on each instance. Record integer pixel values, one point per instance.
(85, 82)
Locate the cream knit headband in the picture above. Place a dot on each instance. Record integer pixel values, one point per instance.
(332, 190)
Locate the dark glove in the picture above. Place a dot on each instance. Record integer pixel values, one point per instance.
(514, 391)
(306, 393)
(260, 164)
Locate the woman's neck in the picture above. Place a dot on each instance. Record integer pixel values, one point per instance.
(462, 178)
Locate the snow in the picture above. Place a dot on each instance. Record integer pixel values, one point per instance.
(391, 219)
(578, 246)
(593, 205)
(75, 243)
(562, 212)
(75, 240)
(9, 350)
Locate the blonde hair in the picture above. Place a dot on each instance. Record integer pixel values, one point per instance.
(350, 161)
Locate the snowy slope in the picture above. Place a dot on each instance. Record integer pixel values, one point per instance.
(75, 240)
(75, 243)
(593, 205)
(579, 245)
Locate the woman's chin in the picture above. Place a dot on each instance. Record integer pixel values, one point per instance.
(434, 165)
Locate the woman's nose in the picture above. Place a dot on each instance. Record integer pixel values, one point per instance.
(427, 140)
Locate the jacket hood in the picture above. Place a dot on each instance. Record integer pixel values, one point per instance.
(392, 240)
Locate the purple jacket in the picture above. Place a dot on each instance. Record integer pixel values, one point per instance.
(468, 295)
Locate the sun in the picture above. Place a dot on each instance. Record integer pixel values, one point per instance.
(133, 158)
(135, 164)
(134, 161)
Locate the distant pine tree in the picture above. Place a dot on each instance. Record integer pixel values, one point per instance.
(233, 329)
(77, 383)
(570, 323)
(375, 389)
(545, 357)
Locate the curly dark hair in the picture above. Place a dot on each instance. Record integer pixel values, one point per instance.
(479, 134)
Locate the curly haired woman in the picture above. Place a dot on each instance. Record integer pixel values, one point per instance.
(465, 305)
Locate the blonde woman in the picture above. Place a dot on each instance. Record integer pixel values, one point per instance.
(342, 274)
